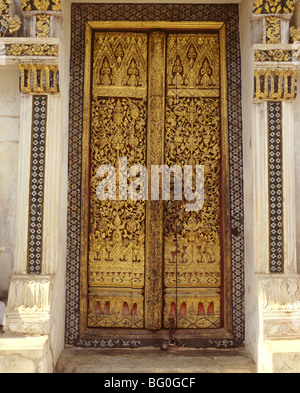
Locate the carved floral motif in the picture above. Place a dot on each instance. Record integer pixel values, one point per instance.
(41, 5)
(50, 50)
(278, 55)
(43, 26)
(8, 24)
(273, 6)
(273, 30)
(295, 33)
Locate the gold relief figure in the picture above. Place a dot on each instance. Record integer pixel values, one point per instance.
(105, 77)
(119, 54)
(133, 78)
(192, 54)
(177, 72)
(205, 75)
(193, 62)
(121, 60)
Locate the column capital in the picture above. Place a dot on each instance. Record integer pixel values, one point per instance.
(39, 78)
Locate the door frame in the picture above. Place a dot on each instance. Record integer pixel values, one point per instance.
(225, 336)
(142, 27)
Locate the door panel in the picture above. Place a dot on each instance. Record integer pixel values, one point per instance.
(155, 100)
(192, 273)
(117, 228)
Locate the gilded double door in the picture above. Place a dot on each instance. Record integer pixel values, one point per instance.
(156, 99)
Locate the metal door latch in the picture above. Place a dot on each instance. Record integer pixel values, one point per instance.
(172, 342)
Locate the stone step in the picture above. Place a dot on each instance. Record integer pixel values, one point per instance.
(152, 360)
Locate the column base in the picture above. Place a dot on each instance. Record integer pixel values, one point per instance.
(279, 303)
(29, 305)
(24, 354)
(282, 356)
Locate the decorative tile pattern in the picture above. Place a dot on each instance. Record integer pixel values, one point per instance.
(275, 183)
(37, 184)
(82, 13)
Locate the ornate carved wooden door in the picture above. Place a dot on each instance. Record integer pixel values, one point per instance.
(156, 98)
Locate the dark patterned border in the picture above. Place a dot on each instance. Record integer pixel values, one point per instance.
(275, 187)
(35, 235)
(82, 13)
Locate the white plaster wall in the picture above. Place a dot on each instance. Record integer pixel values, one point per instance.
(249, 140)
(9, 150)
(297, 173)
(296, 22)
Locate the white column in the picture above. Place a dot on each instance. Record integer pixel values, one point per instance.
(261, 188)
(23, 185)
(52, 187)
(288, 175)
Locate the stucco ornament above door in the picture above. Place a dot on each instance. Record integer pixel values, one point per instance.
(8, 24)
(273, 6)
(41, 5)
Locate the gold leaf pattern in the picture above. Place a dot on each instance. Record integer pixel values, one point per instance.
(273, 6)
(41, 5)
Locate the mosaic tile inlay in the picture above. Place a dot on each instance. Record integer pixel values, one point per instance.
(82, 13)
(275, 184)
(37, 184)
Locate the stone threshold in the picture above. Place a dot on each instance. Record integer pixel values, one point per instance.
(153, 360)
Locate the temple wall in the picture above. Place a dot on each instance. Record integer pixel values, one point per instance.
(297, 173)
(270, 313)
